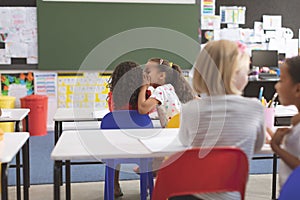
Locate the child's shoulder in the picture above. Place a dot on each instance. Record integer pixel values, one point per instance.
(166, 87)
(250, 101)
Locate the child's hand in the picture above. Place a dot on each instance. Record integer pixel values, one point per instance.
(269, 135)
(295, 119)
(146, 79)
(278, 136)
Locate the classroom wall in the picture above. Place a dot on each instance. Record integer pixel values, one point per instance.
(290, 11)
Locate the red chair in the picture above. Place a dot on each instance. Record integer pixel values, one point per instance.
(223, 169)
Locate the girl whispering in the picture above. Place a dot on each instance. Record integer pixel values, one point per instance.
(170, 89)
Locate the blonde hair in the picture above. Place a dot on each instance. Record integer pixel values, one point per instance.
(216, 66)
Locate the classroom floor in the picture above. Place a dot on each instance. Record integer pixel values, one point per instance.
(258, 188)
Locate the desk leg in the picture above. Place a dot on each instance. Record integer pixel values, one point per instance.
(4, 171)
(18, 176)
(57, 130)
(17, 126)
(27, 153)
(274, 176)
(26, 124)
(68, 180)
(57, 133)
(57, 178)
(26, 169)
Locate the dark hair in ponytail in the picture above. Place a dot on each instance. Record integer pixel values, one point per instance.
(175, 77)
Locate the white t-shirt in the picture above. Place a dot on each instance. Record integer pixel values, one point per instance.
(169, 103)
(230, 120)
(292, 145)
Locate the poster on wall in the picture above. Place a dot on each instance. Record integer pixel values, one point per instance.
(208, 7)
(17, 85)
(46, 84)
(82, 90)
(18, 34)
(233, 14)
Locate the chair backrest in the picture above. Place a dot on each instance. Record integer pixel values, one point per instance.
(125, 119)
(223, 169)
(290, 189)
(174, 122)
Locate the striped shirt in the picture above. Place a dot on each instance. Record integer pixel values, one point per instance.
(230, 120)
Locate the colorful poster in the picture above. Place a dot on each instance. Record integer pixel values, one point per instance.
(208, 7)
(82, 90)
(17, 85)
(45, 83)
(233, 14)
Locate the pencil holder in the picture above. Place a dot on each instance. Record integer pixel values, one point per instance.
(269, 117)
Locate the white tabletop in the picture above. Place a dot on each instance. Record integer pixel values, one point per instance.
(14, 114)
(119, 143)
(285, 111)
(11, 145)
(79, 114)
(106, 143)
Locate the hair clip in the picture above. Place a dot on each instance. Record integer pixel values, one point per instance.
(171, 64)
(241, 46)
(161, 61)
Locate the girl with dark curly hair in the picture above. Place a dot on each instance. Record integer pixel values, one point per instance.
(124, 85)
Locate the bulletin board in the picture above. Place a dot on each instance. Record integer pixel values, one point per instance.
(255, 9)
(18, 34)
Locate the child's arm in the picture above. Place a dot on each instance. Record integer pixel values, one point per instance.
(291, 160)
(145, 105)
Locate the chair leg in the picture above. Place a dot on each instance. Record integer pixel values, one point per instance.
(109, 180)
(150, 183)
(144, 178)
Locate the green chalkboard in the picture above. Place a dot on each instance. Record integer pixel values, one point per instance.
(96, 36)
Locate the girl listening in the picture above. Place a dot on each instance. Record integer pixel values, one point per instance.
(288, 89)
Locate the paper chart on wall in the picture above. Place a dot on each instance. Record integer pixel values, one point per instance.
(210, 22)
(18, 32)
(272, 22)
(82, 90)
(46, 84)
(208, 7)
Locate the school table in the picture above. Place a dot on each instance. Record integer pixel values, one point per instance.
(16, 115)
(109, 144)
(81, 115)
(76, 115)
(10, 147)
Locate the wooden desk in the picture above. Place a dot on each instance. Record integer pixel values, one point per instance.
(111, 144)
(10, 148)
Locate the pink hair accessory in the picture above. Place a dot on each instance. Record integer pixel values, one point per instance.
(241, 46)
